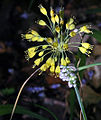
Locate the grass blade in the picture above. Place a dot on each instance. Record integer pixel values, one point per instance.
(80, 103)
(6, 109)
(46, 109)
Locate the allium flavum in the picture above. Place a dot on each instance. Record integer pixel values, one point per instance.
(55, 49)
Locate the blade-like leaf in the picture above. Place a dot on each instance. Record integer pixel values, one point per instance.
(7, 109)
(80, 103)
(46, 109)
(97, 35)
(72, 103)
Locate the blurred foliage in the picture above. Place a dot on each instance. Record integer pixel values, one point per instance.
(94, 10)
(6, 109)
(7, 91)
(97, 35)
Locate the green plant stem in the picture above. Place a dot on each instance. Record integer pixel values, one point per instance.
(88, 66)
(80, 103)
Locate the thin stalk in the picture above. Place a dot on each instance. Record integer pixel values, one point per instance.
(88, 66)
(73, 46)
(74, 43)
(50, 29)
(14, 107)
(67, 35)
(49, 21)
(80, 103)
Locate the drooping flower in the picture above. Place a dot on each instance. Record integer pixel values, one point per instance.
(70, 25)
(43, 10)
(42, 23)
(51, 12)
(72, 34)
(85, 29)
(53, 51)
(84, 51)
(86, 48)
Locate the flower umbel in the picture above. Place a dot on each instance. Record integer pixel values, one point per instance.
(53, 51)
(67, 74)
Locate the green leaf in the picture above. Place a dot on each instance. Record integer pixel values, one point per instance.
(97, 35)
(7, 91)
(7, 109)
(46, 109)
(88, 66)
(80, 103)
(94, 10)
(72, 103)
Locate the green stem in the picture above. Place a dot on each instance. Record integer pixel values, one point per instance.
(49, 21)
(50, 29)
(74, 43)
(80, 103)
(88, 66)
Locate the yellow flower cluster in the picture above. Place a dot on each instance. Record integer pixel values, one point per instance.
(53, 52)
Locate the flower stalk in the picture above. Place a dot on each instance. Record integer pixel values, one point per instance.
(80, 103)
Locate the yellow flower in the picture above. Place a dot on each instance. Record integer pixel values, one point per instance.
(51, 12)
(53, 19)
(28, 36)
(72, 34)
(32, 49)
(35, 39)
(67, 60)
(57, 18)
(34, 33)
(63, 62)
(85, 29)
(43, 10)
(55, 59)
(65, 46)
(52, 68)
(42, 23)
(44, 46)
(43, 67)
(61, 22)
(30, 54)
(87, 46)
(41, 53)
(70, 21)
(84, 50)
(57, 29)
(55, 45)
(49, 61)
(49, 40)
(57, 70)
(71, 27)
(37, 61)
(41, 39)
(52, 62)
